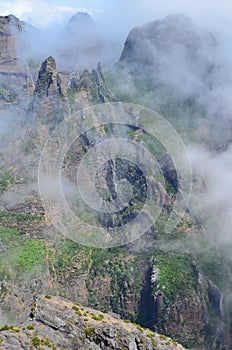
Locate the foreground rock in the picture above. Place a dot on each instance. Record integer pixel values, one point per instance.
(58, 324)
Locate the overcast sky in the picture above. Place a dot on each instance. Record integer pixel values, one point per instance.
(216, 14)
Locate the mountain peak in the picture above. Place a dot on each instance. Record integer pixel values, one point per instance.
(81, 20)
(48, 79)
(81, 17)
(172, 48)
(10, 23)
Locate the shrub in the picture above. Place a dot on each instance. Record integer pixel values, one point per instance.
(48, 296)
(75, 308)
(35, 341)
(30, 327)
(6, 327)
(89, 331)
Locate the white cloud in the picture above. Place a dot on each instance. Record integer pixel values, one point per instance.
(41, 13)
(215, 15)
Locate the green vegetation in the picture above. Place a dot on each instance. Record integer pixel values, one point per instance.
(19, 220)
(35, 341)
(45, 76)
(120, 268)
(89, 331)
(179, 232)
(7, 93)
(21, 255)
(79, 313)
(213, 262)
(68, 253)
(75, 308)
(15, 329)
(150, 335)
(177, 275)
(6, 327)
(30, 327)
(30, 143)
(48, 297)
(141, 329)
(7, 177)
(71, 95)
(99, 317)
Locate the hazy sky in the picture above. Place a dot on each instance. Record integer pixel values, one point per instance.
(216, 14)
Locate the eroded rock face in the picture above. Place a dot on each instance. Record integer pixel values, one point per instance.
(48, 104)
(89, 88)
(10, 27)
(15, 82)
(49, 82)
(60, 324)
(12, 42)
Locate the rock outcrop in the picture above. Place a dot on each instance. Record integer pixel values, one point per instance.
(58, 324)
(12, 43)
(48, 104)
(10, 28)
(49, 82)
(89, 88)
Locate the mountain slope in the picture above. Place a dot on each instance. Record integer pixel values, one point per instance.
(59, 324)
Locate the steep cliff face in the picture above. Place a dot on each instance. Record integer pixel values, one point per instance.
(10, 28)
(16, 83)
(59, 324)
(13, 42)
(159, 281)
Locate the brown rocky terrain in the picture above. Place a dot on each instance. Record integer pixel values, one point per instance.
(58, 324)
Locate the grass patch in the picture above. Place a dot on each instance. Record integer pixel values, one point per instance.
(21, 256)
